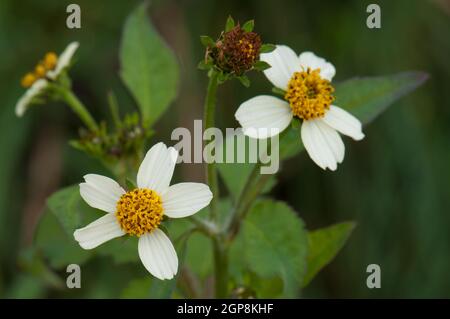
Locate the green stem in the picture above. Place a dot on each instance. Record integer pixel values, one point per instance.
(205, 226)
(209, 121)
(78, 108)
(220, 268)
(254, 186)
(114, 108)
(220, 254)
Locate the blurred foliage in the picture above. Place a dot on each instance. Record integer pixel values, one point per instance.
(394, 184)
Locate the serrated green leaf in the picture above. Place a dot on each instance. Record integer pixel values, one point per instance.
(248, 26)
(272, 242)
(207, 41)
(229, 24)
(324, 244)
(368, 97)
(267, 47)
(148, 67)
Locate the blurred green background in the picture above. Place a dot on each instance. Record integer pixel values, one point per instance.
(395, 183)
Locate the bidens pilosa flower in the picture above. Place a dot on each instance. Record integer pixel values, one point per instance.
(235, 52)
(305, 81)
(139, 212)
(45, 72)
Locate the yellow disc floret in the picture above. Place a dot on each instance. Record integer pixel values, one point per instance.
(50, 60)
(309, 95)
(247, 49)
(139, 211)
(28, 80)
(41, 69)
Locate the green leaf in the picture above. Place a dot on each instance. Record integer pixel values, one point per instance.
(122, 250)
(237, 170)
(324, 244)
(57, 246)
(222, 77)
(272, 242)
(245, 81)
(137, 288)
(64, 204)
(248, 26)
(229, 24)
(267, 47)
(148, 67)
(368, 97)
(207, 41)
(202, 65)
(261, 65)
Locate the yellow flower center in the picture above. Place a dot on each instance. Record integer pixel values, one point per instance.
(139, 211)
(48, 63)
(309, 95)
(28, 80)
(247, 48)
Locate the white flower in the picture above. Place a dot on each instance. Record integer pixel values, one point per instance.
(306, 81)
(45, 72)
(140, 211)
(34, 91)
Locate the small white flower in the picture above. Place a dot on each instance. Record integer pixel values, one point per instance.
(45, 71)
(34, 91)
(140, 211)
(306, 81)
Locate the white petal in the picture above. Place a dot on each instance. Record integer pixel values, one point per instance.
(264, 116)
(344, 122)
(63, 60)
(284, 62)
(32, 92)
(156, 169)
(185, 199)
(333, 140)
(98, 232)
(310, 60)
(317, 145)
(158, 254)
(101, 192)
